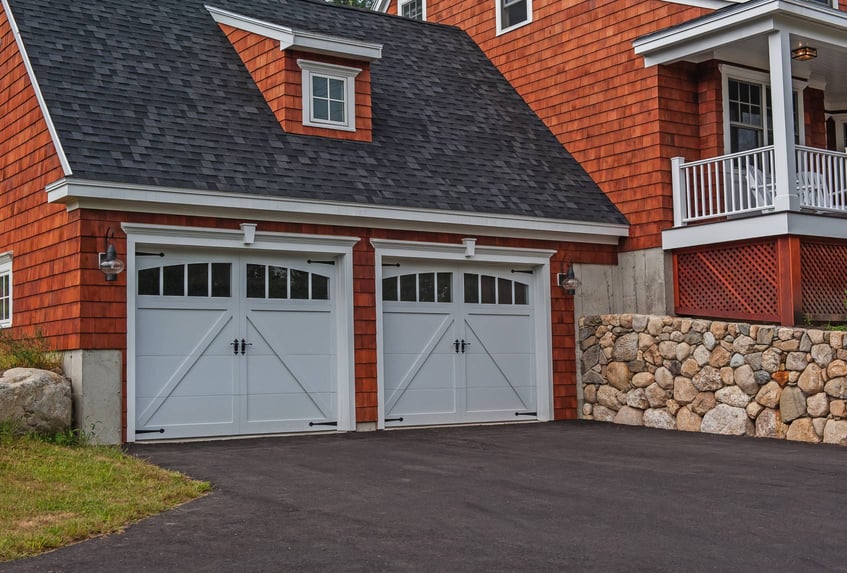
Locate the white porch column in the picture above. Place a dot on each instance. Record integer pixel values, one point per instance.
(785, 160)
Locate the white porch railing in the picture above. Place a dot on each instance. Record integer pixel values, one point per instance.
(744, 183)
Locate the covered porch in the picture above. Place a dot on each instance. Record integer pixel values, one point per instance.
(760, 208)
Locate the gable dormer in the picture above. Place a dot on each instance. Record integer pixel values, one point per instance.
(315, 84)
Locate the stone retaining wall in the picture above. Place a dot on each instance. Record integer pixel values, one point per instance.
(716, 377)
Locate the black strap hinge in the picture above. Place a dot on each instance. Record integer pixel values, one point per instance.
(311, 262)
(522, 271)
(312, 424)
(526, 413)
(159, 431)
(142, 254)
(394, 419)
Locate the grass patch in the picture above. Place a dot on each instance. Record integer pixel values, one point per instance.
(52, 494)
(28, 352)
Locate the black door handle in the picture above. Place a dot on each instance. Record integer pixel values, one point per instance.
(464, 344)
(244, 345)
(456, 345)
(234, 345)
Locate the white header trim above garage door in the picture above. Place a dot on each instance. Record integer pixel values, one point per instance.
(538, 259)
(139, 235)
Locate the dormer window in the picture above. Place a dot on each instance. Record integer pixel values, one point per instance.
(329, 95)
(513, 14)
(414, 9)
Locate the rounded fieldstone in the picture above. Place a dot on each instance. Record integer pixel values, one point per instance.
(838, 408)
(718, 329)
(659, 418)
(688, 421)
(769, 425)
(803, 430)
(656, 395)
(589, 393)
(610, 397)
(754, 360)
(822, 354)
(690, 367)
(683, 390)
(35, 400)
(835, 432)
(787, 345)
(693, 338)
(645, 341)
(592, 377)
(639, 322)
(762, 377)
(811, 380)
(701, 355)
(707, 379)
(629, 416)
(737, 360)
(603, 414)
(664, 378)
(753, 409)
(590, 357)
(816, 336)
(792, 404)
(709, 340)
(643, 379)
(837, 388)
(626, 347)
(743, 345)
(667, 349)
(732, 396)
(836, 369)
(654, 325)
(637, 398)
(618, 375)
(771, 359)
(725, 420)
(702, 403)
(586, 410)
(720, 357)
(818, 405)
(745, 379)
(769, 395)
(682, 351)
(765, 335)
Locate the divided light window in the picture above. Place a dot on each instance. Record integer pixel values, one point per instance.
(5, 290)
(513, 14)
(414, 9)
(329, 95)
(751, 116)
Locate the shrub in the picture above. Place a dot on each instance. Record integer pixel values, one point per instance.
(28, 352)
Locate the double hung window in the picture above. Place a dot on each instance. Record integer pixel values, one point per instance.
(513, 14)
(414, 9)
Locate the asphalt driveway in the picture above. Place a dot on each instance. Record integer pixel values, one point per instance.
(568, 496)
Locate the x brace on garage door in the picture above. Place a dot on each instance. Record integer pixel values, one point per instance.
(435, 297)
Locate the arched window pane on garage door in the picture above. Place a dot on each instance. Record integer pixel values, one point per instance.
(273, 282)
(189, 279)
(418, 287)
(487, 289)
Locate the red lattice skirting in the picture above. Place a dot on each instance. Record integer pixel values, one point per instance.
(824, 279)
(738, 281)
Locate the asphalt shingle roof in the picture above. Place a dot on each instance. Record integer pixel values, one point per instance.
(153, 93)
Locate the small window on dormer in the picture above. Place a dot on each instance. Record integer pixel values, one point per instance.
(414, 9)
(329, 95)
(513, 14)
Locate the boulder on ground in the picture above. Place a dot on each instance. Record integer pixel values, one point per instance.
(35, 400)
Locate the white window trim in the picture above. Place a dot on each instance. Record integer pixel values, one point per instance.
(756, 77)
(840, 120)
(400, 4)
(498, 11)
(347, 75)
(6, 269)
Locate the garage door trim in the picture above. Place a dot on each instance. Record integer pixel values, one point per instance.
(537, 260)
(140, 237)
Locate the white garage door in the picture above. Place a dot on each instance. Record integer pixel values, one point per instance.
(457, 345)
(234, 345)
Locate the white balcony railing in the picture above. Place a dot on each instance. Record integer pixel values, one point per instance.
(744, 183)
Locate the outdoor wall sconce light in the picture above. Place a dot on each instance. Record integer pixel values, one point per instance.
(568, 280)
(804, 53)
(110, 264)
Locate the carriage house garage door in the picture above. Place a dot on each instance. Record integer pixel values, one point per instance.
(229, 345)
(458, 344)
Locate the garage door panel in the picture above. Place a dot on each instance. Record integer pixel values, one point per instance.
(170, 332)
(267, 375)
(190, 410)
(501, 333)
(414, 332)
(494, 400)
(426, 401)
(437, 371)
(203, 379)
(291, 332)
(290, 406)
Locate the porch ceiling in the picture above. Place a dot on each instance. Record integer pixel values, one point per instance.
(739, 34)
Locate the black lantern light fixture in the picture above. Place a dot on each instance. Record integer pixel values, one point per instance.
(110, 264)
(804, 53)
(568, 280)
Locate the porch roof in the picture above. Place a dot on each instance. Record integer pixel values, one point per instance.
(739, 34)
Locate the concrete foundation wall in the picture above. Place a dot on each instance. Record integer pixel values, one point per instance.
(95, 377)
(641, 282)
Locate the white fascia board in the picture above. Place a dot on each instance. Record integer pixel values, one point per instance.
(456, 251)
(51, 128)
(746, 20)
(711, 4)
(751, 228)
(381, 6)
(299, 39)
(76, 194)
